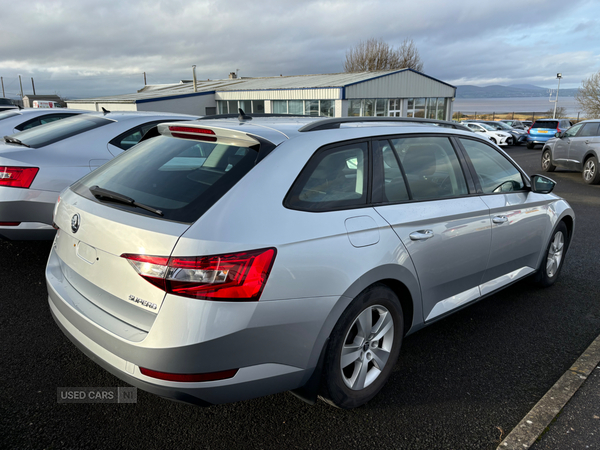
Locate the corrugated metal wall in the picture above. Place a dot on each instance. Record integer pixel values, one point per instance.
(282, 94)
(400, 85)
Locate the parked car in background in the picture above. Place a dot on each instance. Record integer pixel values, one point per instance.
(518, 136)
(527, 124)
(46, 104)
(36, 164)
(515, 124)
(496, 136)
(6, 104)
(226, 259)
(16, 120)
(544, 129)
(577, 148)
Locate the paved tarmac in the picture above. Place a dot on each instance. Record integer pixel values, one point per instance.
(461, 383)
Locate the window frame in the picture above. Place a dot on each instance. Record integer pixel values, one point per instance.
(60, 116)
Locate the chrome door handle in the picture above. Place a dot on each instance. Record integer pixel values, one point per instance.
(500, 219)
(421, 235)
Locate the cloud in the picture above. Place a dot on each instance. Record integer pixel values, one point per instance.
(85, 48)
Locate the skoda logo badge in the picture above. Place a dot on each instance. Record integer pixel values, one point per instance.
(75, 220)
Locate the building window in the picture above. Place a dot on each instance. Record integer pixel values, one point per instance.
(248, 106)
(305, 107)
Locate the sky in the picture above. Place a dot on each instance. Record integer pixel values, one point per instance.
(91, 48)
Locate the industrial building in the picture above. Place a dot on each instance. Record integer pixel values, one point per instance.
(398, 93)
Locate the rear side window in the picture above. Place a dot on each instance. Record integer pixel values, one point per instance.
(495, 173)
(131, 137)
(334, 178)
(431, 166)
(61, 129)
(590, 129)
(182, 178)
(545, 124)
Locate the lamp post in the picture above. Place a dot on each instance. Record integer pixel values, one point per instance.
(559, 76)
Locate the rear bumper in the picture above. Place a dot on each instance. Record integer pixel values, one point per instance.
(29, 207)
(537, 139)
(272, 348)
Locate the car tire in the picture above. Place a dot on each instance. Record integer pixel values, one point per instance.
(530, 145)
(553, 257)
(369, 336)
(547, 165)
(591, 174)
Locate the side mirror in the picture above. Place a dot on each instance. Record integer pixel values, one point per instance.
(541, 184)
(558, 134)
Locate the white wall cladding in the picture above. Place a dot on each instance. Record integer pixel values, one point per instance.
(282, 94)
(195, 105)
(97, 106)
(400, 85)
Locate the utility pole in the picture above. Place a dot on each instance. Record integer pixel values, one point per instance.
(33, 85)
(144, 78)
(2, 79)
(194, 75)
(21, 83)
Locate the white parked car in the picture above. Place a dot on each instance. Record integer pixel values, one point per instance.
(496, 136)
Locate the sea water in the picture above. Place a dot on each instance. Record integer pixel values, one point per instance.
(515, 104)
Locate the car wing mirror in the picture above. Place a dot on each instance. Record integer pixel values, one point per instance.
(558, 134)
(541, 184)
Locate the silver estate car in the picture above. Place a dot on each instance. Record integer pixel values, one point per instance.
(38, 163)
(577, 148)
(227, 259)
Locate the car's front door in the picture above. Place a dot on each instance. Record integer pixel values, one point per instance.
(518, 216)
(580, 144)
(445, 230)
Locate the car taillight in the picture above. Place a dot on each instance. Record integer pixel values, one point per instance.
(200, 134)
(229, 277)
(20, 177)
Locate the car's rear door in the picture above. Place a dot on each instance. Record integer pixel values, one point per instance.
(446, 229)
(587, 138)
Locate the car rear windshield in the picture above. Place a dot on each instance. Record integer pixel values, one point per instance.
(545, 124)
(7, 114)
(61, 129)
(182, 178)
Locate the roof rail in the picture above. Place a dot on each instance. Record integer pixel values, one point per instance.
(329, 124)
(248, 116)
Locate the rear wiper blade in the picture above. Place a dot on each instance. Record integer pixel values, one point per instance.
(99, 192)
(13, 140)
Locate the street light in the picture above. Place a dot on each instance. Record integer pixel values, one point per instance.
(559, 76)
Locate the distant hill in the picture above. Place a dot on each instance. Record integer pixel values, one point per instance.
(515, 90)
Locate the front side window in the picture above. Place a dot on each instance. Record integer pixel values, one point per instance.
(431, 166)
(495, 173)
(334, 178)
(573, 130)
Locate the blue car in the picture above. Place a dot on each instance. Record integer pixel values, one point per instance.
(544, 129)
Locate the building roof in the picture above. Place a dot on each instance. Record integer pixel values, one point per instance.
(185, 88)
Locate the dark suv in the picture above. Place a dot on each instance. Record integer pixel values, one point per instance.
(578, 148)
(544, 129)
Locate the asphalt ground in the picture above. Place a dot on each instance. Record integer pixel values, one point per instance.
(461, 383)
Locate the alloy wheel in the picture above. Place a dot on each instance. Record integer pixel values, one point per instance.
(589, 170)
(555, 254)
(367, 347)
